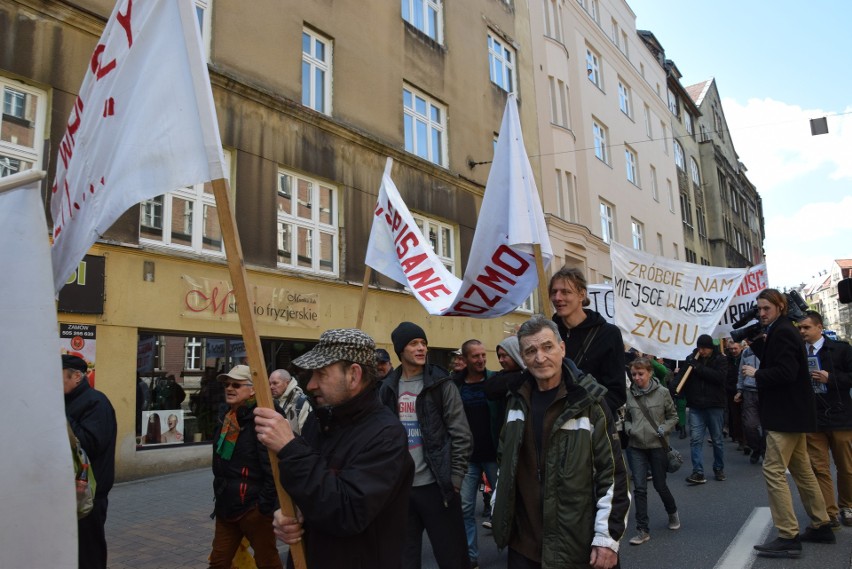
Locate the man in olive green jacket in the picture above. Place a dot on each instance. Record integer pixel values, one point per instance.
(562, 495)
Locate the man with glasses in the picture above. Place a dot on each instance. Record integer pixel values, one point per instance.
(243, 485)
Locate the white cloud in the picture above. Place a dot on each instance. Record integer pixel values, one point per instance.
(773, 139)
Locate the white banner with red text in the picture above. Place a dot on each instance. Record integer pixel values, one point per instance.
(143, 124)
(744, 300)
(501, 271)
(663, 305)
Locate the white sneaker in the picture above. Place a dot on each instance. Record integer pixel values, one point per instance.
(640, 538)
(674, 521)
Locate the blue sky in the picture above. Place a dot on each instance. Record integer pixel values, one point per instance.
(777, 64)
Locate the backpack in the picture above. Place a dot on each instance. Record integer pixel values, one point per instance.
(84, 477)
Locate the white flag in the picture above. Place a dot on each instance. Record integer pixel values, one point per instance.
(501, 271)
(663, 305)
(755, 280)
(39, 525)
(143, 124)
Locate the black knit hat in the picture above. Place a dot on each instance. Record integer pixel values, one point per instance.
(405, 333)
(705, 341)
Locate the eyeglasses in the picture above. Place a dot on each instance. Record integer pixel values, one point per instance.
(236, 384)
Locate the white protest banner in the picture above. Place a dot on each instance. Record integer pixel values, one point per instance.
(663, 305)
(602, 300)
(38, 476)
(501, 271)
(744, 300)
(143, 124)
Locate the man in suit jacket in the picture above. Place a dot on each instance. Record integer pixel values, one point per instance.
(787, 412)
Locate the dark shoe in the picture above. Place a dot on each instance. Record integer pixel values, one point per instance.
(696, 478)
(835, 524)
(474, 564)
(720, 475)
(822, 534)
(846, 516)
(754, 458)
(641, 537)
(781, 547)
(682, 434)
(746, 451)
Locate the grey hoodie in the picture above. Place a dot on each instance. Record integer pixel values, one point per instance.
(512, 348)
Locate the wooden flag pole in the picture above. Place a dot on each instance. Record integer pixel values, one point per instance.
(683, 380)
(248, 326)
(543, 293)
(368, 274)
(16, 181)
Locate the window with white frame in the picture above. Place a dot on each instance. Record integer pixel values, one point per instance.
(308, 231)
(600, 135)
(625, 47)
(425, 15)
(671, 195)
(695, 171)
(665, 137)
(607, 222)
(593, 69)
(194, 357)
(316, 71)
(614, 31)
(674, 103)
(655, 190)
(559, 102)
(678, 156)
(566, 195)
(441, 237)
(638, 232)
(660, 244)
(203, 11)
(624, 98)
(648, 131)
(690, 124)
(425, 126)
(185, 219)
(22, 125)
(702, 221)
(686, 209)
(553, 19)
(632, 162)
(501, 63)
(594, 10)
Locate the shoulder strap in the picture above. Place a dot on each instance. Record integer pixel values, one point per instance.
(589, 337)
(644, 410)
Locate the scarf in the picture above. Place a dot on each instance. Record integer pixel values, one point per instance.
(230, 431)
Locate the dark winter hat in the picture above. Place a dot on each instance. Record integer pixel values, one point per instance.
(705, 341)
(75, 363)
(382, 355)
(405, 333)
(349, 344)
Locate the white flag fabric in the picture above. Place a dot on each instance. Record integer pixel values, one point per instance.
(39, 525)
(744, 300)
(663, 305)
(501, 271)
(143, 124)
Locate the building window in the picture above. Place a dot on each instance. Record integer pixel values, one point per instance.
(203, 12)
(594, 10)
(501, 63)
(648, 131)
(702, 223)
(638, 232)
(553, 19)
(624, 98)
(660, 251)
(316, 71)
(607, 222)
(194, 355)
(717, 123)
(696, 173)
(671, 195)
(442, 238)
(185, 219)
(632, 165)
(690, 124)
(678, 155)
(593, 68)
(426, 16)
(665, 137)
(674, 103)
(559, 102)
(21, 127)
(566, 196)
(307, 224)
(625, 48)
(655, 190)
(601, 149)
(425, 126)
(614, 31)
(686, 210)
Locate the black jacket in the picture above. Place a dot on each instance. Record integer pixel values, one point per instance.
(834, 408)
(732, 374)
(447, 442)
(350, 474)
(246, 479)
(784, 390)
(92, 419)
(705, 386)
(604, 356)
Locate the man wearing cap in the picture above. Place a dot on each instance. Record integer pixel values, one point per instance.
(349, 473)
(706, 398)
(92, 418)
(383, 364)
(439, 440)
(243, 485)
(287, 393)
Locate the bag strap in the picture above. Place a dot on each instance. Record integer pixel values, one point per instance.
(589, 337)
(644, 410)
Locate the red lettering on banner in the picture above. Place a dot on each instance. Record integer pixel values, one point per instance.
(491, 276)
(422, 279)
(66, 145)
(432, 292)
(124, 22)
(204, 302)
(462, 308)
(99, 70)
(402, 248)
(752, 282)
(489, 302)
(410, 263)
(498, 259)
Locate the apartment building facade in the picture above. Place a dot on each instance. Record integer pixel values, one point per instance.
(309, 108)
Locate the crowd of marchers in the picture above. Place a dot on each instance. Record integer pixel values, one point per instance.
(559, 442)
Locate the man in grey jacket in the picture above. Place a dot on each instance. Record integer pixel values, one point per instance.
(439, 440)
(747, 394)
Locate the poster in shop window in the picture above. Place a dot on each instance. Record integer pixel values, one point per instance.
(162, 427)
(79, 340)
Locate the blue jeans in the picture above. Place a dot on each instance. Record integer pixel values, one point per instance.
(641, 461)
(469, 490)
(700, 421)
